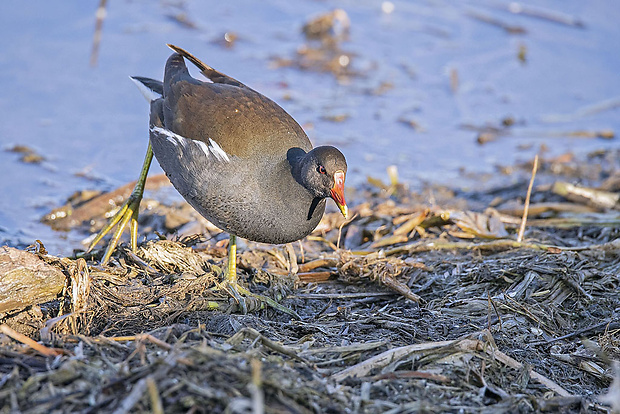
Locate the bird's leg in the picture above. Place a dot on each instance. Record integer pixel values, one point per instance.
(128, 213)
(293, 267)
(230, 275)
(292, 279)
(237, 292)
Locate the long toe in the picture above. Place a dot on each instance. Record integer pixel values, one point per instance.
(248, 301)
(233, 290)
(127, 214)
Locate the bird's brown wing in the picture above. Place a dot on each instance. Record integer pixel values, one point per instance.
(242, 121)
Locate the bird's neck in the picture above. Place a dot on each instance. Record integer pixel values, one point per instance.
(295, 157)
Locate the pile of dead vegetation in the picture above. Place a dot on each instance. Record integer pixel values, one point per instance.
(420, 302)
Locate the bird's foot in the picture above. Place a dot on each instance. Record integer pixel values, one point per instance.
(242, 296)
(127, 214)
(248, 301)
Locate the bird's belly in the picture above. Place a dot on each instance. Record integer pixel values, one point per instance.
(245, 218)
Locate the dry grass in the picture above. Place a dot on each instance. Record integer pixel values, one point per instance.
(447, 314)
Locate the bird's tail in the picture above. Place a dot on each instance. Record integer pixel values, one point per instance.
(151, 89)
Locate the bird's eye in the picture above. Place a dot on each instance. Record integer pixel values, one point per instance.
(321, 169)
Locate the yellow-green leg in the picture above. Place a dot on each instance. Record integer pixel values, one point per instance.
(229, 282)
(234, 289)
(128, 213)
(231, 274)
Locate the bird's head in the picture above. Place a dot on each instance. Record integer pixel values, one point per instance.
(323, 171)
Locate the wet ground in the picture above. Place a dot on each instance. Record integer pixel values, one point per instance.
(414, 85)
(410, 306)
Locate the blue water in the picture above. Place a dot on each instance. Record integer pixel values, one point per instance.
(90, 123)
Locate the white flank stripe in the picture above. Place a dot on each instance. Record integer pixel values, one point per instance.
(203, 147)
(168, 134)
(212, 149)
(219, 153)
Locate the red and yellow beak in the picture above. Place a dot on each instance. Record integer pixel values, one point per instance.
(337, 192)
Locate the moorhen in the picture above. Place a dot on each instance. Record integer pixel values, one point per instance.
(236, 156)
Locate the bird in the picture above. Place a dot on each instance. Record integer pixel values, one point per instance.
(237, 158)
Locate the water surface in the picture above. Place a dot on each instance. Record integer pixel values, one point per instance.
(90, 123)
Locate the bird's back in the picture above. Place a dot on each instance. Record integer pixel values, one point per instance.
(243, 122)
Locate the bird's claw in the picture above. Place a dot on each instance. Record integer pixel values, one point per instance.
(248, 301)
(233, 290)
(128, 214)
